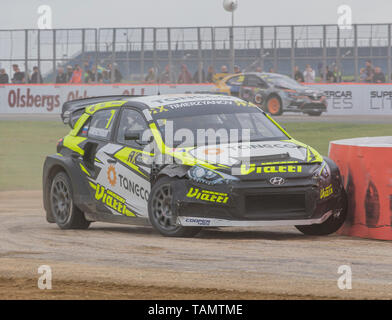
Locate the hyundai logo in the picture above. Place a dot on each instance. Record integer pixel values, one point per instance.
(277, 181)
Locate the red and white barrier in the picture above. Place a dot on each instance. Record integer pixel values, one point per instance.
(366, 167)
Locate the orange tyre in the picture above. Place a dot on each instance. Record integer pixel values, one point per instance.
(274, 106)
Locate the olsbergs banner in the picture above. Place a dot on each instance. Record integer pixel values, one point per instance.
(349, 99)
(48, 98)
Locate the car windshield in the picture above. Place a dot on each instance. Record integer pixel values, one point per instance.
(283, 82)
(203, 126)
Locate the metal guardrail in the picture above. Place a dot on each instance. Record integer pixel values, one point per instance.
(138, 49)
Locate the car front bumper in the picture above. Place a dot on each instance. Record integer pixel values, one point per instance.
(253, 203)
(303, 105)
(211, 222)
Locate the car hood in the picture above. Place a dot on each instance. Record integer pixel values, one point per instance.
(302, 90)
(309, 91)
(260, 152)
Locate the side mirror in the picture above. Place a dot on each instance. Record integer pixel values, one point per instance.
(132, 135)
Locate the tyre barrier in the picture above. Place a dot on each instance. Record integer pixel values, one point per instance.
(366, 167)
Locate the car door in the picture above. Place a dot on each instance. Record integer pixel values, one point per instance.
(98, 156)
(253, 89)
(126, 166)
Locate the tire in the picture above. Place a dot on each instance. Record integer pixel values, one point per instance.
(329, 226)
(274, 105)
(315, 113)
(64, 211)
(160, 203)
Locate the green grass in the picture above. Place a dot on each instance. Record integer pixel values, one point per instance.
(23, 148)
(319, 134)
(25, 144)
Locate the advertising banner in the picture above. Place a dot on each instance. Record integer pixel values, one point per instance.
(357, 98)
(343, 98)
(48, 98)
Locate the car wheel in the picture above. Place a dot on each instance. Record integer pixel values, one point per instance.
(329, 226)
(160, 211)
(274, 106)
(64, 211)
(315, 113)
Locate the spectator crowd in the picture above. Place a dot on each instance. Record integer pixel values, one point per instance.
(92, 73)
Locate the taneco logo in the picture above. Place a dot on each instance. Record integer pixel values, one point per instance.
(112, 176)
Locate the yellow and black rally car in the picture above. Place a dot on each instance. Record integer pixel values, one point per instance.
(274, 93)
(183, 162)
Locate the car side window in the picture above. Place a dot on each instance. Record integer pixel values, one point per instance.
(102, 123)
(253, 81)
(131, 120)
(236, 81)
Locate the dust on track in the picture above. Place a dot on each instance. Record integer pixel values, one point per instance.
(125, 262)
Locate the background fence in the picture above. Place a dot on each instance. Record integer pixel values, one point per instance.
(135, 50)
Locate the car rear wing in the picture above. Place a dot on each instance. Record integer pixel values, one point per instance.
(72, 110)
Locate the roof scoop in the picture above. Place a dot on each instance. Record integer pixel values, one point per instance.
(274, 157)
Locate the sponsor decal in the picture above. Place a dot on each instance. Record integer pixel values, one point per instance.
(326, 192)
(264, 146)
(111, 200)
(98, 132)
(247, 169)
(158, 110)
(137, 157)
(200, 222)
(206, 195)
(112, 176)
(213, 151)
(175, 106)
(133, 187)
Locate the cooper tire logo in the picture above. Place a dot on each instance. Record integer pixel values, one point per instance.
(277, 181)
(213, 151)
(112, 176)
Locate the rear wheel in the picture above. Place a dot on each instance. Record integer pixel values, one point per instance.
(274, 106)
(64, 211)
(160, 211)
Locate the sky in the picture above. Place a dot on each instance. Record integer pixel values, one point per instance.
(22, 14)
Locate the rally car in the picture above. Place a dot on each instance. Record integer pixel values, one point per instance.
(274, 93)
(136, 160)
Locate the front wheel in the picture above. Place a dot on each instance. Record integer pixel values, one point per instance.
(329, 226)
(64, 211)
(160, 211)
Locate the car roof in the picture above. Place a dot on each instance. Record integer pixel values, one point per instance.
(165, 99)
(258, 74)
(149, 102)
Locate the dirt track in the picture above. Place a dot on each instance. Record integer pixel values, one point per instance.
(114, 261)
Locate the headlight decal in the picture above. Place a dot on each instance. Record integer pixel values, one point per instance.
(208, 176)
